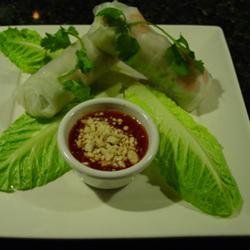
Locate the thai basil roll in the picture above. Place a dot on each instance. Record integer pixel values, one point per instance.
(43, 95)
(155, 57)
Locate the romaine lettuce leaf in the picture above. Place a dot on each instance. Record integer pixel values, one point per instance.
(189, 157)
(29, 156)
(22, 47)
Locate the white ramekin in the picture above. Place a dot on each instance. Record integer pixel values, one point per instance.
(99, 178)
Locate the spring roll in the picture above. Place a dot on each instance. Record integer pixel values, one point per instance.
(150, 60)
(42, 95)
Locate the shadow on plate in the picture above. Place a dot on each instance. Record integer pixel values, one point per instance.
(66, 194)
(148, 191)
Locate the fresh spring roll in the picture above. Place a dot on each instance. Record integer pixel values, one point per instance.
(42, 94)
(187, 90)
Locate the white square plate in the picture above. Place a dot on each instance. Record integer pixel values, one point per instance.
(67, 208)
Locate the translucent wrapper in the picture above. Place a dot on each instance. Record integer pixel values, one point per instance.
(150, 60)
(42, 95)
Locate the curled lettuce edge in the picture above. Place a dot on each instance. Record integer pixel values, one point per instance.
(29, 155)
(189, 157)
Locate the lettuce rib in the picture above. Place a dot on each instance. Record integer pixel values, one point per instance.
(23, 48)
(29, 155)
(189, 157)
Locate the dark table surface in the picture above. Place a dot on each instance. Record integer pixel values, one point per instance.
(231, 15)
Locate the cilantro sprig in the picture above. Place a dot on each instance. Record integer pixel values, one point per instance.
(179, 55)
(126, 45)
(115, 18)
(181, 59)
(83, 61)
(61, 40)
(80, 90)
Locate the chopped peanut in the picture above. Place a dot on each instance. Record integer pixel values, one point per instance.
(106, 144)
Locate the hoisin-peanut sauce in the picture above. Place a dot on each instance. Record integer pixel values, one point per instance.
(108, 140)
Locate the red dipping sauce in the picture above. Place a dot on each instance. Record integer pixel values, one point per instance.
(108, 140)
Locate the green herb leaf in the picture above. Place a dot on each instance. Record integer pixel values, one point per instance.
(184, 51)
(111, 13)
(188, 55)
(59, 40)
(199, 65)
(114, 17)
(72, 31)
(182, 41)
(83, 61)
(79, 89)
(175, 61)
(126, 46)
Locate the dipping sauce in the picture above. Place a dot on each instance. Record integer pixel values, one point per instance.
(108, 140)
